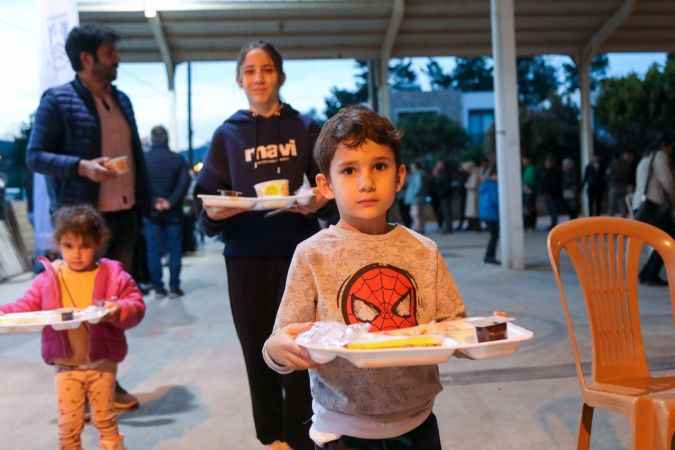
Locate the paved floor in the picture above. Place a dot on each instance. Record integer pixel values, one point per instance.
(186, 366)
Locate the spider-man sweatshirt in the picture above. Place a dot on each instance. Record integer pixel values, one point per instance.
(393, 280)
(248, 149)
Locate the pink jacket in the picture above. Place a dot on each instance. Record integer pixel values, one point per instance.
(106, 339)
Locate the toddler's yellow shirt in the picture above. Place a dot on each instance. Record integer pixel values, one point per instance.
(77, 290)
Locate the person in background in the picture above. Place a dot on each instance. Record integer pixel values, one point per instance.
(594, 182)
(620, 178)
(471, 185)
(654, 199)
(570, 188)
(79, 128)
(415, 196)
(551, 187)
(489, 213)
(403, 208)
(441, 199)
(169, 181)
(85, 358)
(529, 194)
(269, 140)
(459, 177)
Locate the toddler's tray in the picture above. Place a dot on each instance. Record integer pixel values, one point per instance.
(32, 322)
(416, 356)
(255, 203)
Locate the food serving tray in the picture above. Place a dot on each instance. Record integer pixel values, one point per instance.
(32, 322)
(255, 203)
(415, 356)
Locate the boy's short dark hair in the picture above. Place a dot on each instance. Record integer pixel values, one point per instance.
(87, 38)
(83, 221)
(351, 126)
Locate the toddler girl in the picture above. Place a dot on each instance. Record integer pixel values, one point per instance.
(85, 358)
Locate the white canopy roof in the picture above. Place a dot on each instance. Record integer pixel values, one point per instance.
(192, 30)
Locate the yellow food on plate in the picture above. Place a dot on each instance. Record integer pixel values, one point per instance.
(397, 342)
(272, 190)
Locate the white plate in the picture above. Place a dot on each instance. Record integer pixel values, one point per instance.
(387, 357)
(255, 203)
(35, 321)
(515, 335)
(223, 201)
(415, 356)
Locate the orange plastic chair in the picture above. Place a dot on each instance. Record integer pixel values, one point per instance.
(605, 253)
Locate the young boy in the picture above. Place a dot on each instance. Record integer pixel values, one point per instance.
(364, 270)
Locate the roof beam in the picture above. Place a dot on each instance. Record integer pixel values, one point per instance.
(382, 79)
(392, 30)
(609, 27)
(156, 25)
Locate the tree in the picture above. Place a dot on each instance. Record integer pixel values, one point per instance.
(599, 67)
(439, 80)
(472, 74)
(339, 98)
(430, 134)
(13, 165)
(634, 110)
(551, 130)
(537, 80)
(402, 77)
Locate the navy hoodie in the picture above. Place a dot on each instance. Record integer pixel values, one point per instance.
(247, 149)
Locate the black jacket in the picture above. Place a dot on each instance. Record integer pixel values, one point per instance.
(67, 129)
(169, 179)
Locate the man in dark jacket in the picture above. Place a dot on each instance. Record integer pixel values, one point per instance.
(169, 182)
(85, 140)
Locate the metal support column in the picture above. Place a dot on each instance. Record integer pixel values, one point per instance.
(586, 126)
(507, 129)
(373, 69)
(189, 114)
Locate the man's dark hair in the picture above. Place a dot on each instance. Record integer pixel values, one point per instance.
(159, 136)
(87, 38)
(351, 126)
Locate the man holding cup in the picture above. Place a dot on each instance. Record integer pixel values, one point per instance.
(85, 140)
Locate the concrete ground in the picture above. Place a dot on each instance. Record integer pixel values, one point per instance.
(185, 365)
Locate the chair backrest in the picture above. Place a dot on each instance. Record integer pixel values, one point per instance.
(605, 253)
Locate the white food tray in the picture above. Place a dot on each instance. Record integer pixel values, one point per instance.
(416, 356)
(515, 335)
(255, 203)
(386, 357)
(35, 321)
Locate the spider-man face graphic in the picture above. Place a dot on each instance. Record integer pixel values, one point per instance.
(382, 295)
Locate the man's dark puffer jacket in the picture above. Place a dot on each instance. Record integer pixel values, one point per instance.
(67, 129)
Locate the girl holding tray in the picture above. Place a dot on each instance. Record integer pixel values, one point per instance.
(269, 141)
(85, 358)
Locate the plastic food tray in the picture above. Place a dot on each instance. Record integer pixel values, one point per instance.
(32, 322)
(387, 357)
(415, 356)
(515, 335)
(255, 203)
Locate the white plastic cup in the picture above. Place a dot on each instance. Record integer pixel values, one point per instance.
(272, 188)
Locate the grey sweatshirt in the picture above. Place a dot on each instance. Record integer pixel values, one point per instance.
(393, 280)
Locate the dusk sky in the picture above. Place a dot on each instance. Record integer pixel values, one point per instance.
(215, 94)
